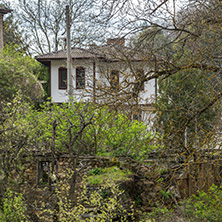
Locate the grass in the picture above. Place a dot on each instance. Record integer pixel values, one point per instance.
(99, 176)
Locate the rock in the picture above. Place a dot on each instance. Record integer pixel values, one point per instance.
(148, 184)
(152, 194)
(148, 208)
(140, 184)
(158, 188)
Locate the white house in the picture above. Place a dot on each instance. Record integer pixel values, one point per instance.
(101, 73)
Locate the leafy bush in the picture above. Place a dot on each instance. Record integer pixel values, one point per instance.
(198, 208)
(14, 208)
(119, 136)
(205, 206)
(95, 171)
(18, 74)
(159, 214)
(104, 204)
(109, 133)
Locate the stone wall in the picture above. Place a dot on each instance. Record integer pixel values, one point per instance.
(156, 180)
(63, 163)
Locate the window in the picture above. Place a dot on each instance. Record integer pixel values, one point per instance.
(137, 115)
(43, 172)
(62, 78)
(140, 79)
(80, 78)
(114, 79)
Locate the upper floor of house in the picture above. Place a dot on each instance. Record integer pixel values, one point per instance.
(100, 73)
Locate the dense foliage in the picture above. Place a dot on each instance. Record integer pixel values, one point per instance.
(180, 43)
(204, 206)
(68, 129)
(180, 101)
(102, 136)
(14, 207)
(18, 76)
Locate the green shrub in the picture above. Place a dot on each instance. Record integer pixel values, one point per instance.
(165, 194)
(95, 171)
(205, 206)
(159, 214)
(14, 208)
(106, 204)
(126, 138)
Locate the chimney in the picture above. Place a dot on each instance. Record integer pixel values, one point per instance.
(2, 12)
(116, 41)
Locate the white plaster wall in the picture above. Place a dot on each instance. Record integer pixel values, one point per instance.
(58, 95)
(146, 96)
(61, 95)
(102, 75)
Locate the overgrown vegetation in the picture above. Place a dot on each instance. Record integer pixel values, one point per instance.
(102, 136)
(14, 207)
(204, 206)
(181, 46)
(98, 176)
(67, 129)
(105, 202)
(19, 74)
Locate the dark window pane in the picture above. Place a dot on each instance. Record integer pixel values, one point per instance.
(140, 80)
(43, 172)
(137, 116)
(62, 78)
(114, 79)
(80, 78)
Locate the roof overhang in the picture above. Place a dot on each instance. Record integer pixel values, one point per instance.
(5, 11)
(46, 61)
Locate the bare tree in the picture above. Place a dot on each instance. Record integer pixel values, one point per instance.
(191, 29)
(45, 21)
